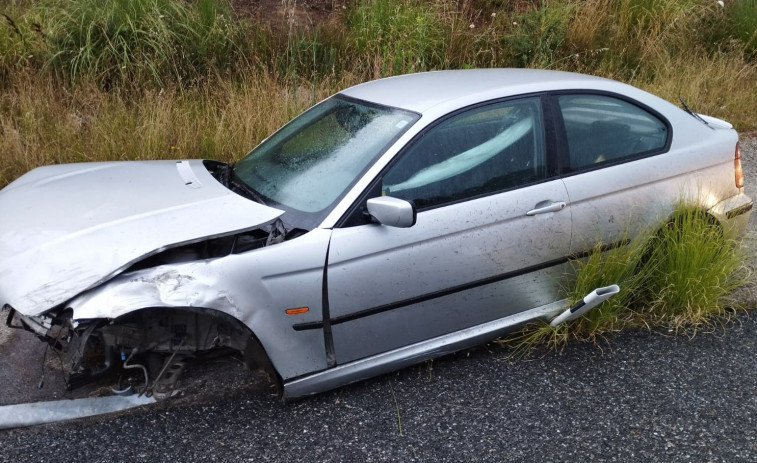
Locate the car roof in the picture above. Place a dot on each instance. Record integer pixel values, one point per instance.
(421, 91)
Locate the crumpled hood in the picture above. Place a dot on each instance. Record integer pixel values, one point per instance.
(67, 228)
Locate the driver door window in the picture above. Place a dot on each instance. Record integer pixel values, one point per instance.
(478, 152)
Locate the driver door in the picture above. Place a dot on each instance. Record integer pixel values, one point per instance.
(491, 238)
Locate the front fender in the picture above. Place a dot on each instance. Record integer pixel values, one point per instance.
(164, 286)
(255, 287)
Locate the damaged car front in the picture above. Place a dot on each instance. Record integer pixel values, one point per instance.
(136, 267)
(69, 229)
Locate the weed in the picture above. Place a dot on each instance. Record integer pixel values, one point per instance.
(118, 42)
(693, 267)
(408, 35)
(742, 17)
(537, 35)
(21, 39)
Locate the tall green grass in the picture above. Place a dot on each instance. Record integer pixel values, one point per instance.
(691, 271)
(397, 36)
(21, 39)
(536, 37)
(121, 42)
(742, 16)
(155, 43)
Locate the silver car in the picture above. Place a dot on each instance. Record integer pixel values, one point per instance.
(396, 221)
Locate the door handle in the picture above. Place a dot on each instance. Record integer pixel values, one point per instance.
(541, 208)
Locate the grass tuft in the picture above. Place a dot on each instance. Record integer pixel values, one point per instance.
(692, 270)
(119, 42)
(407, 35)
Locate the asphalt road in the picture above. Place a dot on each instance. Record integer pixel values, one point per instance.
(644, 396)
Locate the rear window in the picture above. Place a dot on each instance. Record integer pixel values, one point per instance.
(602, 129)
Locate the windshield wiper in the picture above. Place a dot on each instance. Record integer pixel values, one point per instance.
(688, 110)
(224, 173)
(242, 188)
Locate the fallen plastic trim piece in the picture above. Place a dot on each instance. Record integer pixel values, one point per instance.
(589, 301)
(31, 414)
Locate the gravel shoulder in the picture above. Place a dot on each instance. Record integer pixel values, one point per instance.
(749, 163)
(643, 396)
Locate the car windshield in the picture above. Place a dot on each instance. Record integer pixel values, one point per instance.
(310, 162)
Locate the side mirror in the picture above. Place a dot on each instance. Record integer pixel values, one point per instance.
(392, 212)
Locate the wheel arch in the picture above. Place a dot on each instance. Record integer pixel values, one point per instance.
(188, 330)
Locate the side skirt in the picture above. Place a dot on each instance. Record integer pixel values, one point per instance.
(413, 354)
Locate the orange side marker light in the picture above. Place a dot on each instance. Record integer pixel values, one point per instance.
(297, 310)
(737, 167)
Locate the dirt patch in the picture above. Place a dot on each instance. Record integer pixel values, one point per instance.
(283, 14)
(22, 362)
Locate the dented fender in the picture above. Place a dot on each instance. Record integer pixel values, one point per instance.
(165, 286)
(255, 287)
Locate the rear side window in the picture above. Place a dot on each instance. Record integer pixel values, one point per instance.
(477, 152)
(602, 129)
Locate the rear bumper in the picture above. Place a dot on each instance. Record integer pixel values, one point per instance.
(733, 213)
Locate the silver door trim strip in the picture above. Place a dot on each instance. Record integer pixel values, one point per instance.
(414, 353)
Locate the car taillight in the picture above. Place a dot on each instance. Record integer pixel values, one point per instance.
(737, 167)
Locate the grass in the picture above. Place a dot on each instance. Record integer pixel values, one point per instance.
(681, 276)
(691, 48)
(537, 36)
(692, 270)
(118, 42)
(20, 39)
(40, 125)
(409, 35)
(603, 267)
(742, 17)
(155, 43)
